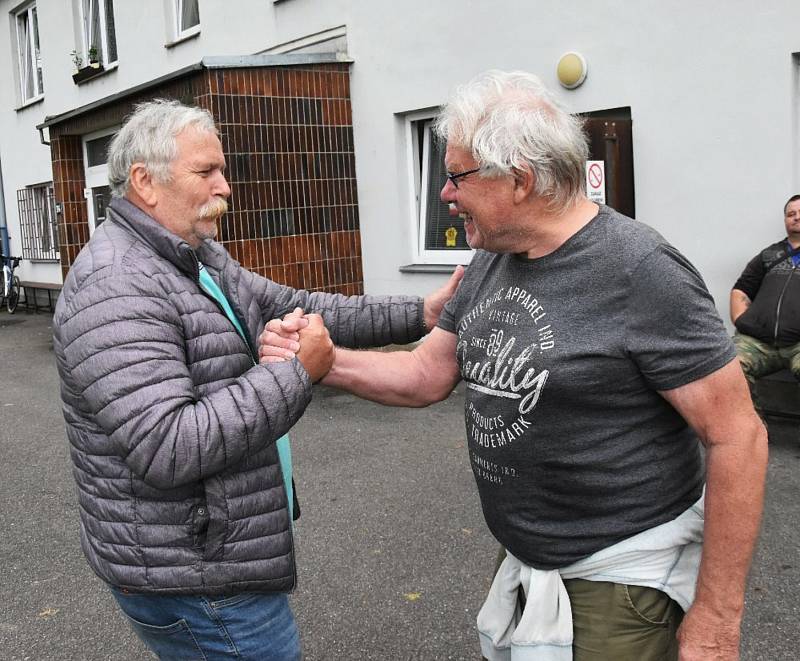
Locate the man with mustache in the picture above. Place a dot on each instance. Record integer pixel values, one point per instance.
(595, 363)
(176, 431)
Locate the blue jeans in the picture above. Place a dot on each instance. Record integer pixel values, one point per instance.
(249, 625)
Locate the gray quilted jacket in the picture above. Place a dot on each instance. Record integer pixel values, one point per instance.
(171, 425)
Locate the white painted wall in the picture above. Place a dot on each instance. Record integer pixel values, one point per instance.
(712, 89)
(142, 29)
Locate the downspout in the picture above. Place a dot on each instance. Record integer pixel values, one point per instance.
(4, 240)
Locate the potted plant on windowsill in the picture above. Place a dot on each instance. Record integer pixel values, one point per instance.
(77, 61)
(94, 60)
(92, 68)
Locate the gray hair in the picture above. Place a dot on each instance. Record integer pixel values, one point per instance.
(510, 120)
(149, 136)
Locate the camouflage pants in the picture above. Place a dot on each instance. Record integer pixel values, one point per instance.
(759, 359)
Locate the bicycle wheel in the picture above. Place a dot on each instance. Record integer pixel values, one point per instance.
(13, 295)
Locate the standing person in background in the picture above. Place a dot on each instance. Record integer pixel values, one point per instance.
(765, 305)
(175, 428)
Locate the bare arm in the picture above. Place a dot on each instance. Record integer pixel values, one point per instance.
(718, 407)
(739, 303)
(399, 378)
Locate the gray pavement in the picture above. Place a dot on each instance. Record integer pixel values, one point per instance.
(394, 558)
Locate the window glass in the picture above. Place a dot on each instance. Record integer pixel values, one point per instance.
(28, 55)
(439, 236)
(97, 150)
(101, 195)
(188, 12)
(442, 231)
(98, 31)
(111, 34)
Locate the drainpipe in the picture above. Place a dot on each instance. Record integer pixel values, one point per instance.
(4, 241)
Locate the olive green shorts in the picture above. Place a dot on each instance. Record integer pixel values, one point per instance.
(616, 622)
(611, 621)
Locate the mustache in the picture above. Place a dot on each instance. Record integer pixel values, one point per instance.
(213, 209)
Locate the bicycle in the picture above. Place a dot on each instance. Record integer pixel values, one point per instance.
(9, 283)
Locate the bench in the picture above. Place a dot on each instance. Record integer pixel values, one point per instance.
(31, 288)
(779, 394)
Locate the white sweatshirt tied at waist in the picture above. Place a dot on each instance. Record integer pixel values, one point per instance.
(666, 557)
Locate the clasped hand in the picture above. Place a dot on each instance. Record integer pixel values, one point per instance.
(301, 335)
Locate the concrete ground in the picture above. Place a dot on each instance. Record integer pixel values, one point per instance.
(394, 558)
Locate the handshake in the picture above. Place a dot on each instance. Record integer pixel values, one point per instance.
(302, 335)
(305, 336)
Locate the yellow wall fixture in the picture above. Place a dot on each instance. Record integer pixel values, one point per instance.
(571, 70)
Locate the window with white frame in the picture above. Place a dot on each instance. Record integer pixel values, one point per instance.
(439, 237)
(29, 59)
(99, 32)
(187, 17)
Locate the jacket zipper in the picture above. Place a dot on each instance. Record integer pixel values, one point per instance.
(249, 343)
(780, 301)
(247, 340)
(245, 331)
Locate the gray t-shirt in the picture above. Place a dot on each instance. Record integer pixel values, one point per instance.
(572, 447)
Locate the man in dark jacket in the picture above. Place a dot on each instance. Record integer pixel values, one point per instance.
(175, 429)
(765, 304)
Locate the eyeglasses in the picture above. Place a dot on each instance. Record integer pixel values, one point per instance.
(455, 176)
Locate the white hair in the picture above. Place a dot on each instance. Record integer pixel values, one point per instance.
(510, 120)
(149, 136)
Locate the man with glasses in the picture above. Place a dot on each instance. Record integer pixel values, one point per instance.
(595, 364)
(764, 305)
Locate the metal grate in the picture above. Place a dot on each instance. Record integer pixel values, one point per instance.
(38, 223)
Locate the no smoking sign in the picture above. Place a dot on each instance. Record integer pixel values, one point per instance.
(596, 181)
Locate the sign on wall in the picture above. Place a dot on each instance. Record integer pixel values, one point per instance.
(596, 181)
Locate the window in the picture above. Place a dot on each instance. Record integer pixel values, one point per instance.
(187, 13)
(439, 237)
(38, 223)
(99, 34)
(28, 55)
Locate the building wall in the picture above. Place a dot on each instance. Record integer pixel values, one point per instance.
(712, 91)
(143, 34)
(287, 136)
(713, 98)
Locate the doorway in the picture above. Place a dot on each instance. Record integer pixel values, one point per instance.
(95, 161)
(611, 141)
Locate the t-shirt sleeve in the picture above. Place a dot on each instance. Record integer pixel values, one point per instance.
(750, 280)
(469, 283)
(447, 320)
(673, 330)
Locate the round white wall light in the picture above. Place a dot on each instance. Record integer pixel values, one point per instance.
(571, 70)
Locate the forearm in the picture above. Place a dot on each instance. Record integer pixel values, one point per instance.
(399, 378)
(733, 504)
(353, 321)
(738, 304)
(393, 378)
(370, 321)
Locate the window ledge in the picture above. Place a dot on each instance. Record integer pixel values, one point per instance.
(191, 33)
(428, 268)
(87, 73)
(30, 102)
